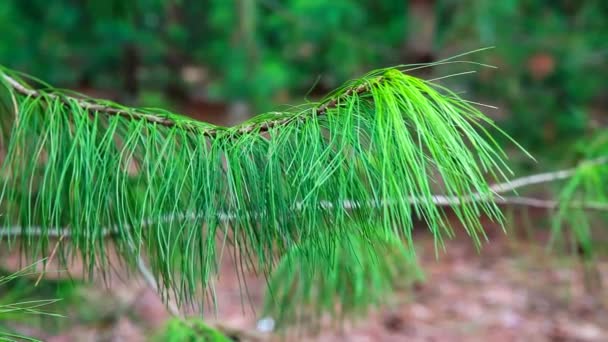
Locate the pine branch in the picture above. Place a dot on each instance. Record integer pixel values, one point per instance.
(440, 200)
(169, 187)
(522, 182)
(92, 107)
(551, 204)
(16, 231)
(548, 176)
(212, 133)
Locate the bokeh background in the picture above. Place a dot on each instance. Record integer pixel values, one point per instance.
(225, 60)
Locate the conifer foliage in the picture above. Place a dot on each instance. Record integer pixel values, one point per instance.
(313, 185)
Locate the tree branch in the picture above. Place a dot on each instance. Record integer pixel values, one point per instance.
(496, 189)
(439, 200)
(213, 132)
(550, 204)
(546, 177)
(89, 106)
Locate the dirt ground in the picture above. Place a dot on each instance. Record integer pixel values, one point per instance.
(510, 291)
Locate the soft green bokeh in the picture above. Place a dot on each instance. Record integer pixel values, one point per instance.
(551, 55)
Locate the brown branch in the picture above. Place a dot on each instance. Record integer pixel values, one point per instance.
(51, 256)
(92, 107)
(362, 88)
(212, 133)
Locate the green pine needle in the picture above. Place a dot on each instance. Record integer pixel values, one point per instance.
(370, 155)
(572, 228)
(13, 307)
(361, 271)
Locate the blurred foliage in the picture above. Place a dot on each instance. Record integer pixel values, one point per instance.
(551, 59)
(363, 271)
(285, 45)
(551, 54)
(583, 200)
(191, 330)
(22, 301)
(252, 50)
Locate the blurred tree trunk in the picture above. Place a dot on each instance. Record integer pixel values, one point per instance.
(240, 108)
(175, 58)
(130, 66)
(421, 31)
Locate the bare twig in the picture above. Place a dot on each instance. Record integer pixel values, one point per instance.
(546, 177)
(51, 256)
(495, 189)
(149, 278)
(550, 204)
(173, 309)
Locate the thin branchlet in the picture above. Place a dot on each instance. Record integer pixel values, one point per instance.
(86, 105)
(439, 200)
(208, 132)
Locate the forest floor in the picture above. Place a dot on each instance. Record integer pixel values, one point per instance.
(509, 291)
